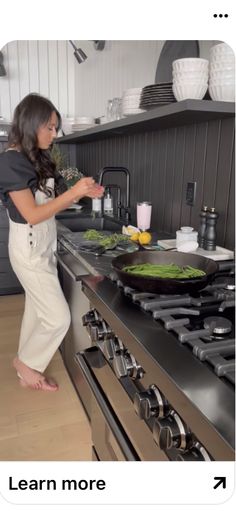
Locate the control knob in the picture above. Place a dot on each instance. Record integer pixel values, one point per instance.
(171, 432)
(196, 453)
(99, 331)
(112, 346)
(126, 365)
(150, 403)
(91, 316)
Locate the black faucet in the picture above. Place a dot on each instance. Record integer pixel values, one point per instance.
(120, 206)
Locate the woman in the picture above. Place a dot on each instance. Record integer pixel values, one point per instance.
(33, 192)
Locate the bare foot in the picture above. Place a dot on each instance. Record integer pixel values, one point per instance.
(31, 378)
(42, 385)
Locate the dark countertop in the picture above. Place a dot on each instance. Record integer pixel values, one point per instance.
(96, 265)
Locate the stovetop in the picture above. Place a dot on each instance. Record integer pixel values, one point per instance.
(205, 322)
(185, 345)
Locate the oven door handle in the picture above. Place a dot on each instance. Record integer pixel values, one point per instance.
(103, 406)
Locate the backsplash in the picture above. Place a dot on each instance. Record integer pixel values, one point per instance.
(162, 162)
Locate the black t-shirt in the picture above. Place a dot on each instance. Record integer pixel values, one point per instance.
(18, 173)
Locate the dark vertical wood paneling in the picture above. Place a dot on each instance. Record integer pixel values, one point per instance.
(223, 175)
(178, 179)
(161, 148)
(189, 155)
(169, 186)
(212, 155)
(199, 171)
(162, 162)
(230, 210)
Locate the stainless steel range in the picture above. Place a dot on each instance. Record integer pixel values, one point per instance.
(161, 371)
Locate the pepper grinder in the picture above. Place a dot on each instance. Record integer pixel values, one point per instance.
(210, 233)
(202, 228)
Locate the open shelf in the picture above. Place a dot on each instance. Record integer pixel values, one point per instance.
(184, 112)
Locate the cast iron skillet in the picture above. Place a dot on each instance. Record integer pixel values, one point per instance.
(165, 286)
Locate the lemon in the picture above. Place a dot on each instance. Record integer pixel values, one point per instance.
(145, 238)
(135, 236)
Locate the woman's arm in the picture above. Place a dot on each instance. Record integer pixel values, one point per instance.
(34, 214)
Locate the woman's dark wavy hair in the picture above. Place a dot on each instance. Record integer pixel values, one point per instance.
(33, 112)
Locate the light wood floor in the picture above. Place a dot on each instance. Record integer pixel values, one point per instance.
(37, 425)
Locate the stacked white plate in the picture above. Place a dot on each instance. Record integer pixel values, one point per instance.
(83, 123)
(131, 100)
(222, 73)
(73, 124)
(190, 78)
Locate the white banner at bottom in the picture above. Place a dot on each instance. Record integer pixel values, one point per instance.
(124, 483)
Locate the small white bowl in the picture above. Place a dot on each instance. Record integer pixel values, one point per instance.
(217, 73)
(190, 63)
(190, 83)
(224, 60)
(222, 92)
(222, 81)
(190, 73)
(221, 49)
(221, 66)
(190, 79)
(189, 91)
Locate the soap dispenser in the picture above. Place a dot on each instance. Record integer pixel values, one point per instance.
(108, 202)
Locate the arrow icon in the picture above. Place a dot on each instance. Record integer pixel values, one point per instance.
(221, 480)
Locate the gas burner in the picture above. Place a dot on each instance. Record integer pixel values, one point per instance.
(225, 283)
(218, 325)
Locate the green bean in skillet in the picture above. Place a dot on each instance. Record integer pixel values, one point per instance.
(164, 271)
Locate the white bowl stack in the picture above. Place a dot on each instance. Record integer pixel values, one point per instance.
(131, 100)
(190, 78)
(222, 73)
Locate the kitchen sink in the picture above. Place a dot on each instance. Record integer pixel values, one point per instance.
(82, 223)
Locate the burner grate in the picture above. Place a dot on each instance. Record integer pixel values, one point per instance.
(209, 338)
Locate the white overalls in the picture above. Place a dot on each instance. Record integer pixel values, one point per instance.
(46, 316)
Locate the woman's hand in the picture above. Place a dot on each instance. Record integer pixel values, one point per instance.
(86, 187)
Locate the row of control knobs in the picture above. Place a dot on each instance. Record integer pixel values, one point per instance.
(123, 362)
(169, 431)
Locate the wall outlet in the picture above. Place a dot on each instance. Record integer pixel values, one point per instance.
(191, 193)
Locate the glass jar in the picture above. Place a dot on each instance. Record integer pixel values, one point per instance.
(185, 234)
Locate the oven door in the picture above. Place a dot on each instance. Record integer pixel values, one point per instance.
(117, 432)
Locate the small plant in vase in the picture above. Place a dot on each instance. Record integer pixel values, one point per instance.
(70, 174)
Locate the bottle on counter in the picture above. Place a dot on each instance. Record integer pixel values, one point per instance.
(210, 232)
(202, 227)
(97, 205)
(108, 202)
